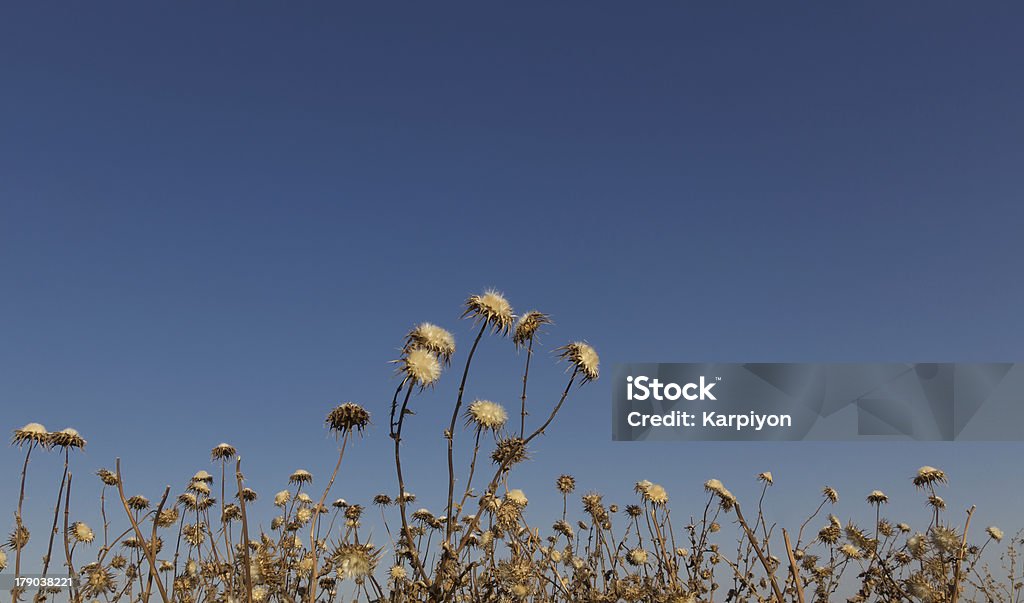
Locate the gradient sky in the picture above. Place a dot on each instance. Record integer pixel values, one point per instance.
(218, 221)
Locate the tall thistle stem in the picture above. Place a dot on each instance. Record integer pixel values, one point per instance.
(19, 527)
(406, 531)
(316, 517)
(450, 436)
(526, 375)
(56, 511)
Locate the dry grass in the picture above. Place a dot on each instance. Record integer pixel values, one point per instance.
(199, 544)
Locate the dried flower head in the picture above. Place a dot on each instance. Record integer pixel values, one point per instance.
(67, 438)
(282, 498)
(509, 451)
(203, 476)
(517, 497)
(877, 497)
(107, 477)
(300, 476)
(766, 477)
(994, 533)
(97, 581)
(566, 484)
(433, 338)
(637, 556)
(526, 328)
(830, 494)
(656, 494)
(33, 433)
(355, 561)
(81, 532)
(929, 475)
(348, 417)
(138, 502)
(486, 415)
(222, 451)
(583, 358)
(492, 309)
(725, 497)
(420, 366)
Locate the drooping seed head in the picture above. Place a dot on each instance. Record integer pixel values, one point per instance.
(300, 476)
(929, 475)
(67, 438)
(31, 433)
(527, 327)
(583, 358)
(877, 497)
(348, 417)
(222, 451)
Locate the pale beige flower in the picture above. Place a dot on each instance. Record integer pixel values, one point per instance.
(420, 366)
(584, 359)
(433, 338)
(492, 309)
(487, 415)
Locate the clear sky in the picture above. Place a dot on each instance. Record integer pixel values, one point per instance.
(217, 221)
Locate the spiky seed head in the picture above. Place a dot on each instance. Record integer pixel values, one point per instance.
(80, 532)
(433, 338)
(656, 494)
(339, 503)
(486, 415)
(138, 502)
(107, 477)
(203, 476)
(509, 452)
(583, 358)
(725, 497)
(517, 497)
(397, 573)
(98, 581)
(348, 417)
(994, 533)
(929, 475)
(33, 433)
(67, 438)
(167, 517)
(300, 476)
(420, 366)
(222, 451)
(3, 560)
(637, 556)
(766, 477)
(492, 309)
(830, 494)
(248, 494)
(526, 328)
(382, 500)
(282, 498)
(355, 561)
(877, 497)
(566, 484)
(18, 538)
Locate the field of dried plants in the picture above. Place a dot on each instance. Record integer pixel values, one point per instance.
(202, 544)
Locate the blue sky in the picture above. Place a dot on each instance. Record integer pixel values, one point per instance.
(216, 222)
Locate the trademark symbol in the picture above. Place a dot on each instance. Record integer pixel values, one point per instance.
(718, 378)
